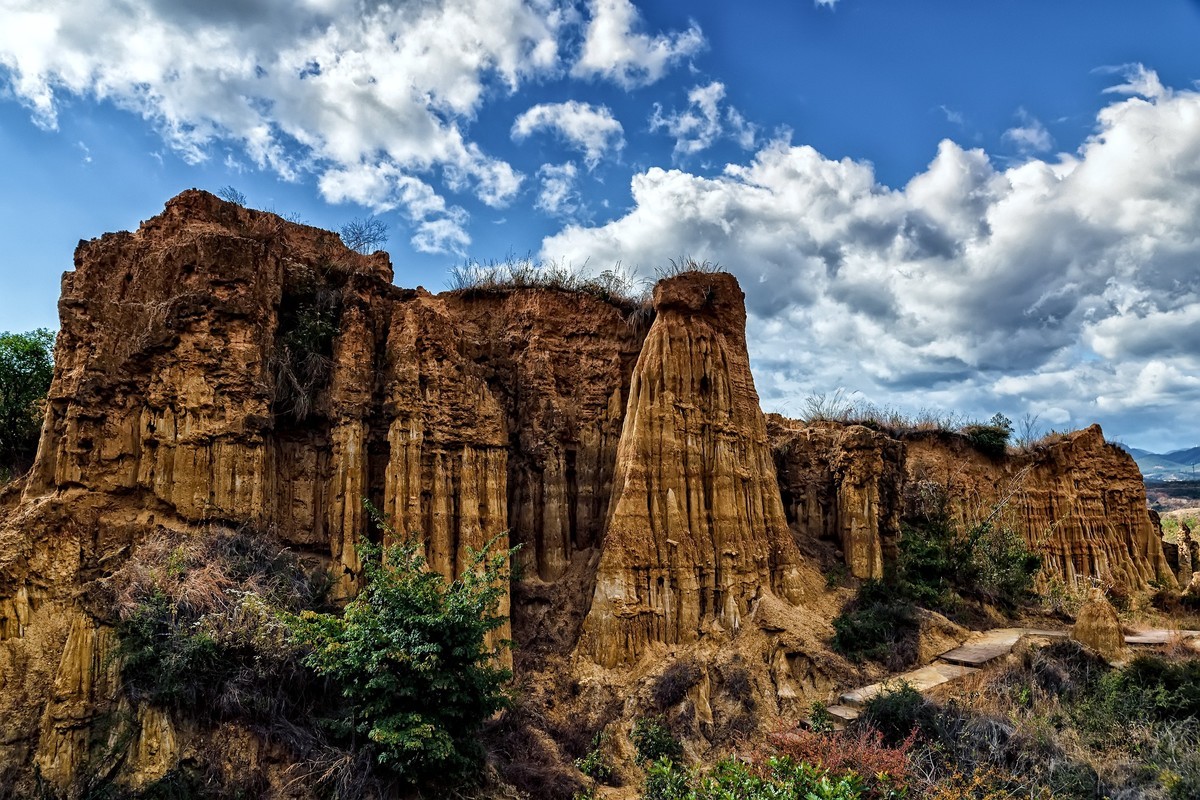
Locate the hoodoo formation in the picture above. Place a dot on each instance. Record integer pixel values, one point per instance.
(221, 367)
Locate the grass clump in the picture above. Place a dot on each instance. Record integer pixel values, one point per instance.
(760, 779)
(197, 628)
(617, 286)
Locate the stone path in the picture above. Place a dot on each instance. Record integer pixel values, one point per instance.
(965, 659)
(1158, 636)
(969, 657)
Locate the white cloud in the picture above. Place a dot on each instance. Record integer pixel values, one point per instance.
(1030, 136)
(825, 3)
(338, 88)
(1138, 81)
(592, 130)
(1067, 284)
(558, 196)
(698, 127)
(613, 49)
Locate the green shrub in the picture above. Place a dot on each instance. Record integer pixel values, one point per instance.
(410, 656)
(990, 439)
(878, 624)
(595, 765)
(898, 712)
(666, 781)
(652, 740)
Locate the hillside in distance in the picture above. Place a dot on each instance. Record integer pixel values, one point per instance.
(1177, 465)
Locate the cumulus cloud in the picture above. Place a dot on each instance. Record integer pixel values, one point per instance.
(1055, 285)
(703, 122)
(1030, 136)
(349, 91)
(614, 50)
(559, 196)
(592, 130)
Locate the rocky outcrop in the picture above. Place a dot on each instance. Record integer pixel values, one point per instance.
(842, 483)
(1078, 500)
(696, 533)
(222, 367)
(1098, 627)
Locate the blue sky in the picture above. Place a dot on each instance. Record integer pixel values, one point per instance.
(960, 206)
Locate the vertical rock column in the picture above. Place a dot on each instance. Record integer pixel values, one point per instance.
(696, 529)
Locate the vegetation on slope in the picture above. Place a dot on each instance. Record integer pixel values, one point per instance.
(943, 565)
(26, 367)
(389, 693)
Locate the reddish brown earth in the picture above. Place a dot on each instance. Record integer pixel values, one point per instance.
(629, 459)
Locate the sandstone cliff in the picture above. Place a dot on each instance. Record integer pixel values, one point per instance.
(222, 368)
(1078, 500)
(696, 534)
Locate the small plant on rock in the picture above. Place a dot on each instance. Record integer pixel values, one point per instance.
(653, 740)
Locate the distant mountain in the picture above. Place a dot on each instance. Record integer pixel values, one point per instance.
(1177, 465)
(1189, 456)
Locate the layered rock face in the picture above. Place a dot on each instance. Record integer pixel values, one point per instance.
(696, 532)
(843, 484)
(1079, 501)
(222, 367)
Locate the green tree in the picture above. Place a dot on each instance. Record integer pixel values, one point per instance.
(410, 654)
(26, 367)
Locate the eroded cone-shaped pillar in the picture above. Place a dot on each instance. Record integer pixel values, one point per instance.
(696, 530)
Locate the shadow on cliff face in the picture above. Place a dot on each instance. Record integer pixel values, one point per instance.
(301, 362)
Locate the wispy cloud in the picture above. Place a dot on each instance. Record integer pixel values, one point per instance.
(1030, 136)
(703, 122)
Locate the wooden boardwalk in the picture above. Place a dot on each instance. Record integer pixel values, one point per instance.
(976, 652)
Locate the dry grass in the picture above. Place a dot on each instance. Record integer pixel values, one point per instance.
(618, 286)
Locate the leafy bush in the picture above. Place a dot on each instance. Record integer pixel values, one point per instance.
(410, 657)
(666, 781)
(878, 624)
(26, 368)
(652, 740)
(898, 713)
(595, 765)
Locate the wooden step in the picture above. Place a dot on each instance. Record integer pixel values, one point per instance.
(921, 679)
(990, 645)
